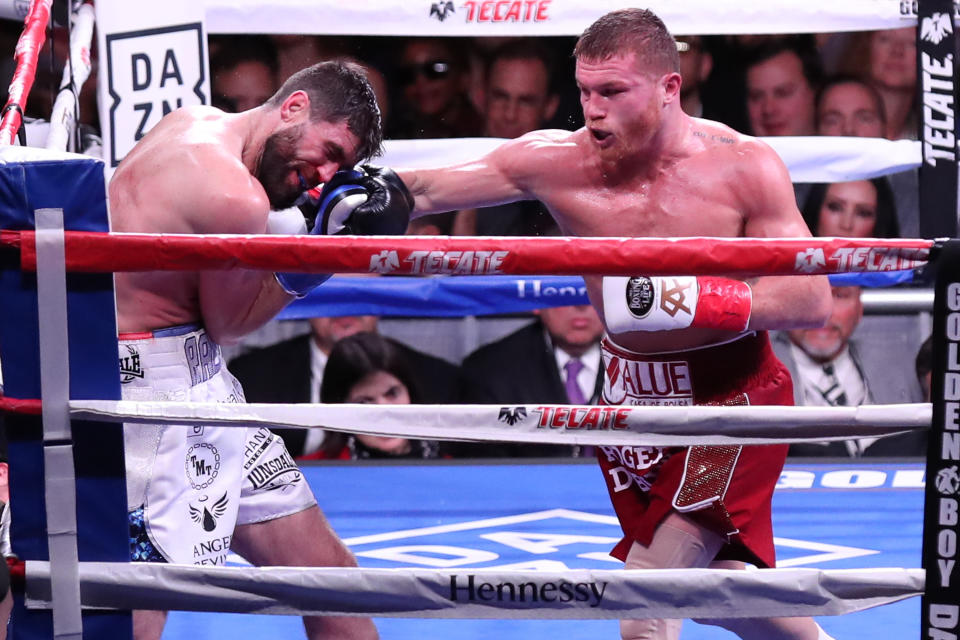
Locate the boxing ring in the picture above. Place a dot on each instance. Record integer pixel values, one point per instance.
(58, 339)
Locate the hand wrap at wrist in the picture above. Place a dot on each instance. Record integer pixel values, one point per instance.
(676, 302)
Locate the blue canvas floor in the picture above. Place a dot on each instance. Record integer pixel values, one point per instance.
(557, 516)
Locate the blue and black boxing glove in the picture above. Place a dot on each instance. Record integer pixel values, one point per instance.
(374, 201)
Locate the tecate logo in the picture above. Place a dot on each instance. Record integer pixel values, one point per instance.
(507, 10)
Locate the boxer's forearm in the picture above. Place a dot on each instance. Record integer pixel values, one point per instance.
(790, 302)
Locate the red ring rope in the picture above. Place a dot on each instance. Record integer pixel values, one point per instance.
(27, 52)
(742, 257)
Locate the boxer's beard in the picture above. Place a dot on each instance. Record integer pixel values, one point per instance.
(275, 166)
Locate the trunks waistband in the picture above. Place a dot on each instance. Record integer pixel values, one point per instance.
(183, 352)
(176, 330)
(706, 374)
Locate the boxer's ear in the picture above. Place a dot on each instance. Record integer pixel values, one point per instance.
(295, 107)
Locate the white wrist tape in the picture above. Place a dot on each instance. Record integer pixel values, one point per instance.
(649, 304)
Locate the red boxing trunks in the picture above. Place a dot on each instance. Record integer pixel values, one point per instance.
(726, 488)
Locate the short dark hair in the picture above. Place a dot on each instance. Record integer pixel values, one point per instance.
(339, 91)
(802, 45)
(235, 49)
(841, 79)
(886, 225)
(525, 49)
(639, 31)
(355, 357)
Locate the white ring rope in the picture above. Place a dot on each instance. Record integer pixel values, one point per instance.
(63, 122)
(546, 17)
(430, 593)
(567, 424)
(809, 159)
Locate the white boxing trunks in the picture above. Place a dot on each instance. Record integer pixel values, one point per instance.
(188, 486)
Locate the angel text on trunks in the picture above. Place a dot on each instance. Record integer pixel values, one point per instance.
(449, 262)
(646, 383)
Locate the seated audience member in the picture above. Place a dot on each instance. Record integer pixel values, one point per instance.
(291, 372)
(891, 67)
(367, 368)
(553, 360)
(782, 78)
(520, 97)
(296, 51)
(243, 72)
(829, 368)
(849, 106)
(913, 443)
(696, 63)
(857, 209)
(432, 102)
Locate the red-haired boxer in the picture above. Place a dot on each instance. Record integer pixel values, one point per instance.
(641, 167)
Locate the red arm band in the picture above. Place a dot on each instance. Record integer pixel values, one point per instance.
(723, 304)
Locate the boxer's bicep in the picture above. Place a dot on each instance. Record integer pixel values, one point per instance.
(781, 302)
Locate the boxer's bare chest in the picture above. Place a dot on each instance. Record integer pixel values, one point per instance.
(673, 204)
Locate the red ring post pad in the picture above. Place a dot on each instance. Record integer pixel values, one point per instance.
(411, 255)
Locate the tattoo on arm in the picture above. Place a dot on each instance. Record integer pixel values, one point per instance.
(714, 137)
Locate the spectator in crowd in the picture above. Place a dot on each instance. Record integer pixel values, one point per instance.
(856, 209)
(848, 106)
(243, 72)
(520, 98)
(829, 368)
(367, 368)
(292, 371)
(432, 77)
(555, 360)
(891, 66)
(912, 443)
(298, 51)
(696, 63)
(519, 93)
(782, 78)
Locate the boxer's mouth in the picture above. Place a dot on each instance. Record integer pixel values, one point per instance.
(601, 136)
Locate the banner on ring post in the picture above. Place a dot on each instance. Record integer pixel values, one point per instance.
(153, 59)
(32, 179)
(941, 525)
(938, 127)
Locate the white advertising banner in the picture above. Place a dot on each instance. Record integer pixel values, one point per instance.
(153, 59)
(482, 593)
(548, 17)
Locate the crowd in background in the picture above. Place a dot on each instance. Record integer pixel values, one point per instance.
(859, 84)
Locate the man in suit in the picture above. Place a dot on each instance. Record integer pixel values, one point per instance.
(520, 96)
(555, 359)
(291, 372)
(830, 367)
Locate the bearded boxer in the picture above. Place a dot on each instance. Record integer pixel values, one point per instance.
(196, 492)
(641, 167)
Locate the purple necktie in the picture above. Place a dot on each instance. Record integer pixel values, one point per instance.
(574, 394)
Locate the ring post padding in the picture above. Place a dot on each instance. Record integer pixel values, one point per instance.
(30, 180)
(940, 605)
(937, 125)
